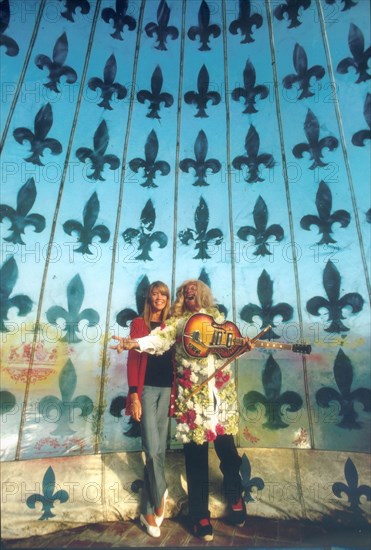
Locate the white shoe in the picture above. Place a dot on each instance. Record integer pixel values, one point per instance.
(151, 529)
(160, 519)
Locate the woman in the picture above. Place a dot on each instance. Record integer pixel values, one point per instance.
(209, 415)
(151, 383)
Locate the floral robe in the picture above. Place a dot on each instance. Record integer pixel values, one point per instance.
(211, 412)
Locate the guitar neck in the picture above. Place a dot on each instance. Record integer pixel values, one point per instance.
(272, 345)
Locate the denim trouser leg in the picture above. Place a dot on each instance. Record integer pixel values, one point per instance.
(154, 422)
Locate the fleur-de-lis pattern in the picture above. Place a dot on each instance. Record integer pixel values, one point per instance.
(351, 489)
(87, 230)
(162, 29)
(155, 97)
(97, 156)
(245, 22)
(48, 496)
(247, 481)
(325, 219)
(20, 218)
(83, 6)
(303, 75)
(360, 58)
(171, 99)
(73, 316)
(290, 10)
(67, 405)
(108, 86)
(253, 159)
(8, 278)
(315, 145)
(267, 312)
(202, 236)
(204, 29)
(203, 94)
(200, 165)
(273, 400)
(10, 45)
(7, 402)
(335, 304)
(149, 164)
(261, 233)
(345, 396)
(249, 92)
(119, 18)
(38, 138)
(144, 238)
(56, 66)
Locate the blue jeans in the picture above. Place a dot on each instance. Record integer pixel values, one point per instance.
(154, 424)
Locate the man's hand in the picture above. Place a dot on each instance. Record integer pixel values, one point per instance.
(248, 344)
(124, 343)
(135, 407)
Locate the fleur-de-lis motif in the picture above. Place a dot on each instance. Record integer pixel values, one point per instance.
(200, 165)
(261, 233)
(20, 217)
(267, 312)
(96, 155)
(334, 305)
(343, 374)
(247, 481)
(360, 57)
(37, 139)
(245, 22)
(162, 29)
(291, 11)
(149, 164)
(368, 216)
(87, 230)
(108, 86)
(56, 67)
(118, 405)
(326, 219)
(127, 314)
(360, 137)
(204, 30)
(7, 402)
(48, 495)
(66, 405)
(249, 92)
(71, 6)
(200, 234)
(204, 277)
(303, 75)
(348, 4)
(119, 18)
(155, 96)
(273, 400)
(11, 46)
(72, 317)
(143, 237)
(352, 490)
(8, 278)
(203, 95)
(315, 145)
(253, 160)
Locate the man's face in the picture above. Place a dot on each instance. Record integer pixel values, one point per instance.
(190, 297)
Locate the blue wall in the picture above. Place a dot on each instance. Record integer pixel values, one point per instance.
(222, 140)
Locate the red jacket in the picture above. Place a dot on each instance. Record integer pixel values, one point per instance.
(137, 364)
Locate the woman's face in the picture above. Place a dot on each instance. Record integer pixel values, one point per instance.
(158, 299)
(190, 292)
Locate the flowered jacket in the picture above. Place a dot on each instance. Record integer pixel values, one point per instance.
(211, 412)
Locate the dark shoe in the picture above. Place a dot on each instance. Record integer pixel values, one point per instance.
(203, 529)
(238, 513)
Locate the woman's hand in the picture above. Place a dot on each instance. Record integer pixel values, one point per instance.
(135, 407)
(124, 343)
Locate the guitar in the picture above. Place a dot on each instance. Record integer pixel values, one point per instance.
(203, 335)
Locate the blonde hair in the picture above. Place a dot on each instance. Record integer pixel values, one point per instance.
(204, 297)
(147, 312)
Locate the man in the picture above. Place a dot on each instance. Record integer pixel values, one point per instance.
(209, 415)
